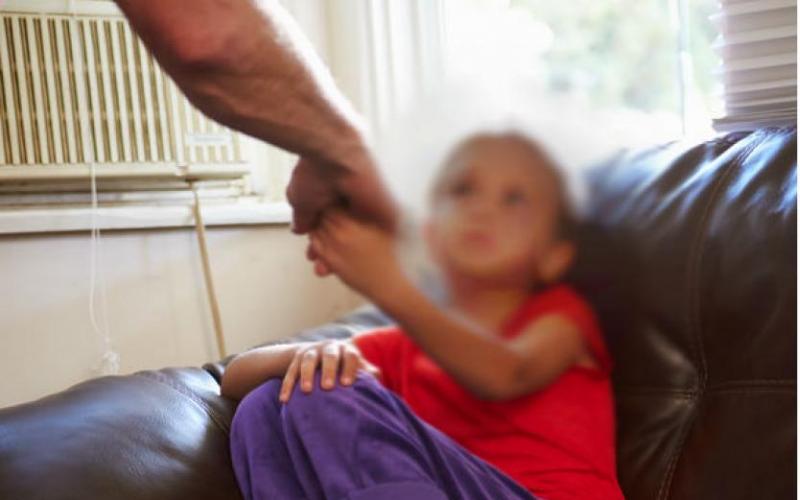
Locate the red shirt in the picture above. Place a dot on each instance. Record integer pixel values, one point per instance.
(557, 442)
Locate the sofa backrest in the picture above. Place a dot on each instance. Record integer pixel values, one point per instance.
(689, 256)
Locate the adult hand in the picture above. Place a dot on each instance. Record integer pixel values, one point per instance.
(316, 187)
(362, 255)
(248, 65)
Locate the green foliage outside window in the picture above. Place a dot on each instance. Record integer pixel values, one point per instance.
(624, 53)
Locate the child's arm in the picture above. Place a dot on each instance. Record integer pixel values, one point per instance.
(487, 365)
(490, 367)
(249, 369)
(292, 362)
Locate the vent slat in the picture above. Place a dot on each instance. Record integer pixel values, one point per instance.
(9, 101)
(81, 112)
(202, 129)
(107, 90)
(185, 128)
(237, 155)
(153, 108)
(197, 130)
(37, 88)
(99, 131)
(175, 98)
(162, 128)
(121, 90)
(67, 91)
(56, 137)
(150, 122)
(168, 114)
(5, 137)
(213, 151)
(24, 107)
(129, 43)
(224, 151)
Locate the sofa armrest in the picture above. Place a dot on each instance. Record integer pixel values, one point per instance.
(151, 435)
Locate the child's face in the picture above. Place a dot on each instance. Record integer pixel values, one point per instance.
(495, 215)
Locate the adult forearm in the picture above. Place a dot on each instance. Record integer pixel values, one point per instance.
(247, 64)
(249, 369)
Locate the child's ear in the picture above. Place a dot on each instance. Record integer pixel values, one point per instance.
(557, 261)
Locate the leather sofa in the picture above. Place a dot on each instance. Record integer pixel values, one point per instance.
(689, 256)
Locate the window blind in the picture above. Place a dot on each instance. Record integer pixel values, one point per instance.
(757, 44)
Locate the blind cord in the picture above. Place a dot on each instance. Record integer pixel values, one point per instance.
(109, 359)
(212, 296)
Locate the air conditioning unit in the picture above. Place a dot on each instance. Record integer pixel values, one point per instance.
(79, 89)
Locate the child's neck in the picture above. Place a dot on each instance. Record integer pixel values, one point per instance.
(489, 306)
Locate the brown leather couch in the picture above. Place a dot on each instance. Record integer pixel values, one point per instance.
(690, 258)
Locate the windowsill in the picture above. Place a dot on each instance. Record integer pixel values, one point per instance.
(60, 219)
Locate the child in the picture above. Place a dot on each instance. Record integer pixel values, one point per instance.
(502, 394)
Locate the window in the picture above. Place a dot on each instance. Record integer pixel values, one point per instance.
(646, 65)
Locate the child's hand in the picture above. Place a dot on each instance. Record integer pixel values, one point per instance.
(333, 356)
(362, 255)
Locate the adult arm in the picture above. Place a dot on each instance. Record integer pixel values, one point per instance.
(246, 64)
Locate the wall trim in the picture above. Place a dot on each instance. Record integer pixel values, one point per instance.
(60, 219)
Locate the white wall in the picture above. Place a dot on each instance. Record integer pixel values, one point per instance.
(157, 307)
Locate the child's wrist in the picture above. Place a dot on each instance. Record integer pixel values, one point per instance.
(393, 294)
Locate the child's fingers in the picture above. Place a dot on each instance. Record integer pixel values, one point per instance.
(308, 365)
(371, 369)
(350, 362)
(315, 245)
(333, 232)
(343, 224)
(288, 380)
(331, 354)
(321, 269)
(315, 252)
(327, 252)
(325, 235)
(322, 244)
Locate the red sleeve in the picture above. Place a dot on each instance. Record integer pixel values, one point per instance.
(568, 303)
(384, 349)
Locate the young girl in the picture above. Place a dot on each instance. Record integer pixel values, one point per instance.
(502, 394)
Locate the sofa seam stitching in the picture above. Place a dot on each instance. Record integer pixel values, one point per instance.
(754, 390)
(695, 260)
(737, 384)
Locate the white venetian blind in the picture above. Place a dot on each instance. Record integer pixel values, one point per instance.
(757, 44)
